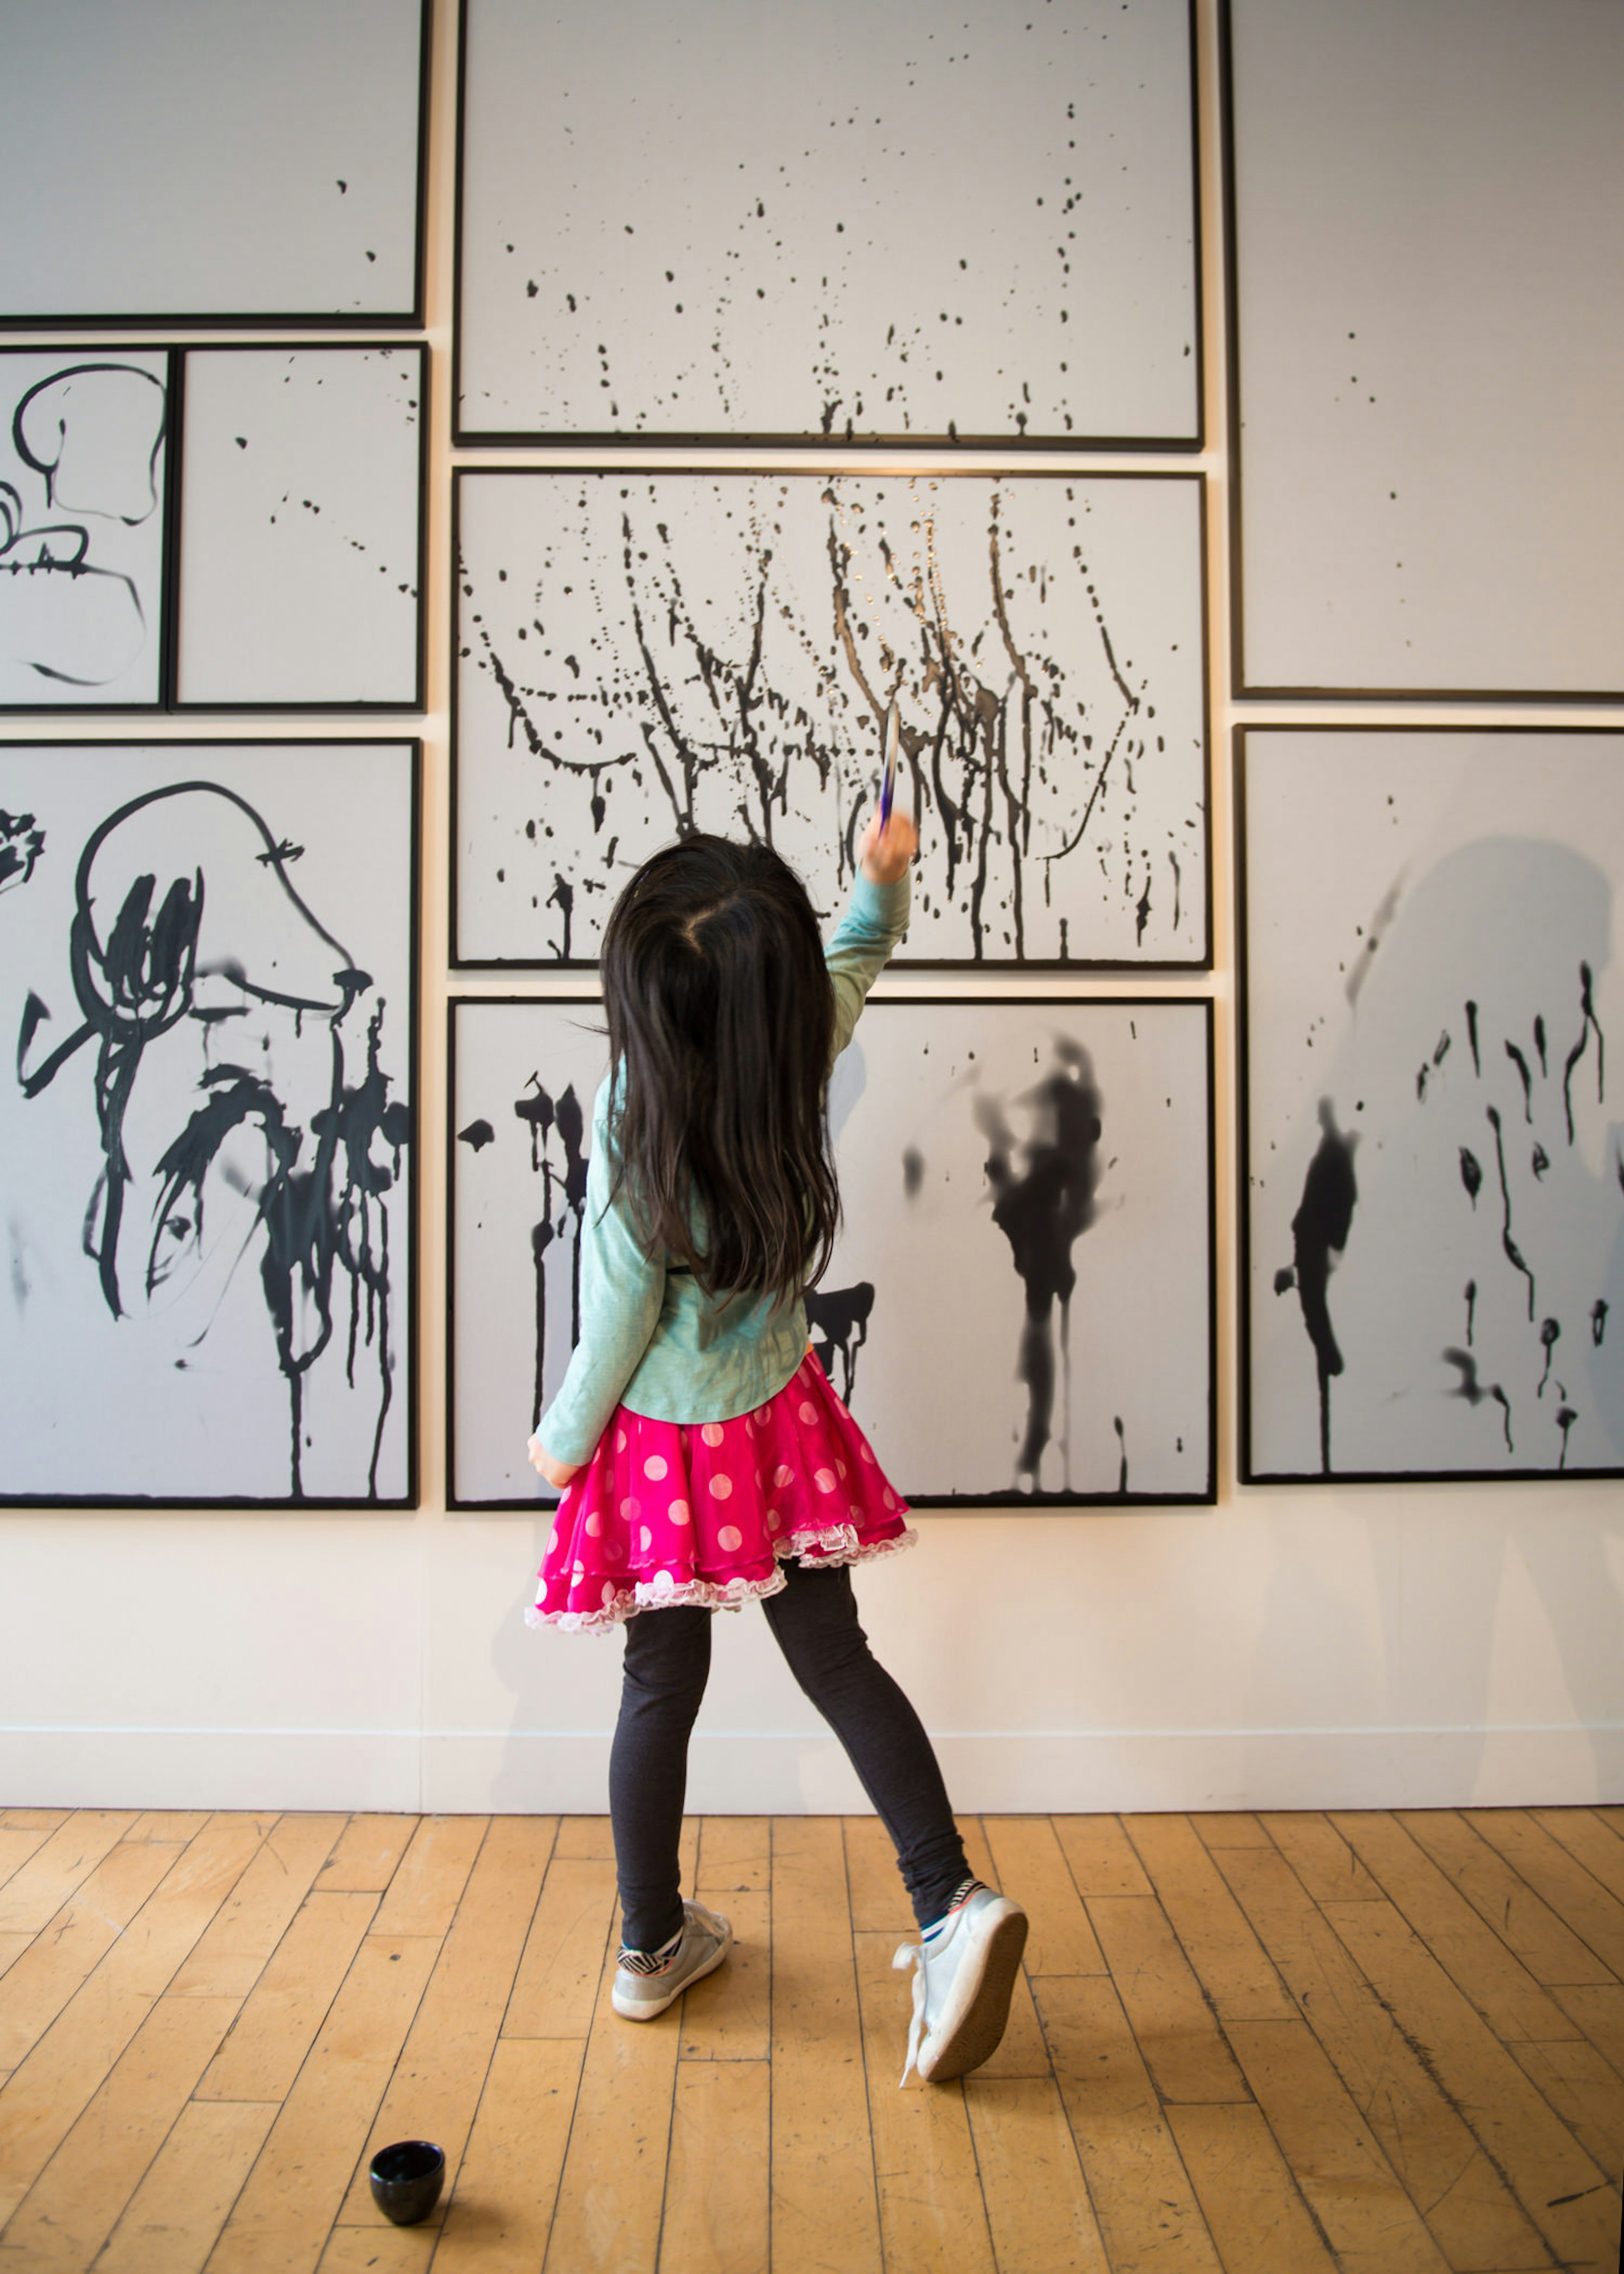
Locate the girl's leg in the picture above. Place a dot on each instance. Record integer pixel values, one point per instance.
(814, 1622)
(667, 1661)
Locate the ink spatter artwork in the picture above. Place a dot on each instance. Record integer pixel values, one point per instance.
(642, 657)
(1435, 1216)
(208, 1126)
(82, 454)
(1022, 1317)
(882, 224)
(161, 164)
(301, 527)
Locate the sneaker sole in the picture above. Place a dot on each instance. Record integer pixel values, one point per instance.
(643, 2010)
(976, 2034)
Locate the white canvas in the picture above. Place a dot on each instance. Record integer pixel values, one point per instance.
(300, 519)
(1429, 214)
(1435, 1189)
(176, 158)
(1095, 1118)
(83, 449)
(643, 653)
(847, 221)
(205, 1133)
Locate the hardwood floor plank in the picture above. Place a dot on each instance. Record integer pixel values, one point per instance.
(1479, 1964)
(1031, 1865)
(1588, 1841)
(437, 2082)
(1253, 2206)
(1371, 2225)
(1529, 2143)
(280, 2222)
(365, 1853)
(1598, 2010)
(556, 1985)
(610, 2193)
(1175, 2031)
(233, 1954)
(1229, 1829)
(1038, 2210)
(282, 2018)
(38, 1889)
(825, 2218)
(48, 2090)
(170, 2222)
(1101, 1856)
(718, 2179)
(33, 1819)
(1321, 1858)
(1136, 2182)
(75, 2203)
(17, 1846)
(171, 1826)
(54, 1962)
(879, 1902)
(931, 2211)
(1426, 2139)
(1502, 1897)
(1586, 2091)
(728, 2016)
(11, 1948)
(585, 1839)
(1235, 1970)
(378, 2248)
(1567, 1886)
(501, 2214)
(734, 1852)
(425, 1890)
(1613, 1817)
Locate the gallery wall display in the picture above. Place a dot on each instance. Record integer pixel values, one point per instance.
(1433, 1201)
(83, 515)
(854, 224)
(170, 161)
(208, 1128)
(1426, 230)
(213, 528)
(1019, 1308)
(302, 527)
(641, 654)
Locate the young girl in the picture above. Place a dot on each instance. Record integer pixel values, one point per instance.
(702, 1456)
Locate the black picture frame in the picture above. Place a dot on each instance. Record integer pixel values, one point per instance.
(827, 444)
(1005, 1502)
(906, 963)
(412, 1215)
(1250, 1471)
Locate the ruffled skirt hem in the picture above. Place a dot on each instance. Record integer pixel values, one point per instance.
(817, 1550)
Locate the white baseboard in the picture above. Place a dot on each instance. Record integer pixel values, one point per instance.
(789, 1773)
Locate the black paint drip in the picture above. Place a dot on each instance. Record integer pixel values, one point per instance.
(838, 1318)
(1525, 1078)
(1513, 1253)
(1042, 1212)
(1472, 1036)
(548, 1120)
(912, 1171)
(1549, 1334)
(1598, 1323)
(1474, 1392)
(1319, 1230)
(1471, 1309)
(477, 1135)
(1471, 1174)
(1573, 1056)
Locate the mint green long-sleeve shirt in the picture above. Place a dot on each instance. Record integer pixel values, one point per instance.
(650, 1337)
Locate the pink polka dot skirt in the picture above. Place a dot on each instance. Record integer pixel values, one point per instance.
(704, 1512)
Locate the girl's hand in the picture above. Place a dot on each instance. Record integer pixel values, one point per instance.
(560, 1473)
(885, 858)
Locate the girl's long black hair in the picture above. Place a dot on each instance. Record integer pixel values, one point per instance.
(721, 1015)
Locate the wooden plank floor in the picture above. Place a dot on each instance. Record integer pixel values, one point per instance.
(1264, 2045)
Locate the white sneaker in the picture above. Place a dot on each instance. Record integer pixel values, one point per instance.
(642, 1992)
(964, 1975)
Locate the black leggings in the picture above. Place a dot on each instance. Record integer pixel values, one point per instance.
(813, 1623)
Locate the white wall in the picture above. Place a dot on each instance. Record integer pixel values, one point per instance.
(1289, 1648)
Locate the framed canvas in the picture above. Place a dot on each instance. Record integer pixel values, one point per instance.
(209, 1128)
(84, 514)
(638, 654)
(1425, 229)
(301, 529)
(1019, 1310)
(167, 161)
(861, 225)
(1432, 1196)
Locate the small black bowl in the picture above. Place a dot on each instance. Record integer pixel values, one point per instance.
(407, 2178)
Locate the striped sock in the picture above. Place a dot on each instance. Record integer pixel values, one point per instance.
(960, 1897)
(651, 1961)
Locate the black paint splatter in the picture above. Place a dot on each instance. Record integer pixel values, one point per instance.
(1598, 1323)
(1587, 1010)
(1319, 1230)
(1471, 1174)
(1473, 1391)
(21, 847)
(1513, 1253)
(838, 1318)
(477, 1134)
(1549, 1334)
(551, 1122)
(1472, 1036)
(1471, 1309)
(912, 1171)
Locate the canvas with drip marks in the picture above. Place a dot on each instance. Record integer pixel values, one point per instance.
(1434, 1190)
(851, 222)
(208, 1127)
(641, 654)
(83, 449)
(1019, 1307)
